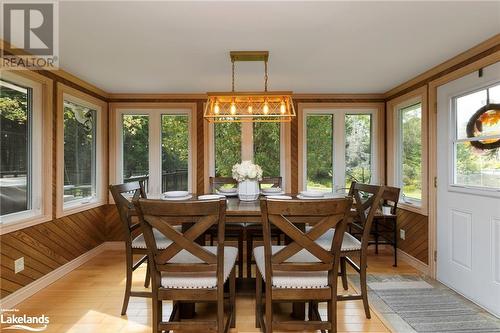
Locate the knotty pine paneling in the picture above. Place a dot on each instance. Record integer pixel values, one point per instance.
(48, 246)
(417, 234)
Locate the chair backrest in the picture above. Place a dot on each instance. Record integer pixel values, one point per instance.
(273, 181)
(391, 197)
(328, 213)
(216, 182)
(163, 215)
(125, 207)
(367, 200)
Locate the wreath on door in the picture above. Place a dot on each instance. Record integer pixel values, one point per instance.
(487, 115)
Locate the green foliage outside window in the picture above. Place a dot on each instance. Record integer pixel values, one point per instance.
(319, 152)
(358, 129)
(411, 151)
(227, 137)
(266, 146)
(135, 145)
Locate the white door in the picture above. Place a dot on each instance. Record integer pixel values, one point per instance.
(468, 214)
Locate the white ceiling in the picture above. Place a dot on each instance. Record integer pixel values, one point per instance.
(329, 47)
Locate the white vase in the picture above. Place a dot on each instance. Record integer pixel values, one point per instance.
(248, 190)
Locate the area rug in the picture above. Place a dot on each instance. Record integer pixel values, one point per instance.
(411, 303)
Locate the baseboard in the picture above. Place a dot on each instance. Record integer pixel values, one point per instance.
(414, 262)
(20, 295)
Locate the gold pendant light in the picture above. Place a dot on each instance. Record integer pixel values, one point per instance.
(259, 106)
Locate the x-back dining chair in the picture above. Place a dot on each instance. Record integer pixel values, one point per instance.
(301, 270)
(367, 200)
(186, 271)
(233, 230)
(134, 239)
(254, 230)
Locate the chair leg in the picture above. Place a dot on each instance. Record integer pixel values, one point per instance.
(240, 254)
(343, 273)
(128, 281)
(232, 298)
(211, 239)
(362, 282)
(258, 298)
(395, 243)
(147, 279)
(249, 253)
(220, 309)
(269, 309)
(157, 312)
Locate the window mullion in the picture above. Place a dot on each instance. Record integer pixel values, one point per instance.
(247, 141)
(154, 153)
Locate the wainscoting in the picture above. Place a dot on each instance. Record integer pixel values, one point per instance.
(416, 226)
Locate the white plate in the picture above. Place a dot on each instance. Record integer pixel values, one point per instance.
(175, 194)
(228, 190)
(267, 194)
(326, 196)
(279, 197)
(272, 190)
(313, 194)
(210, 196)
(228, 194)
(189, 196)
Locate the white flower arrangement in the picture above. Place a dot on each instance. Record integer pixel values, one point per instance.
(247, 171)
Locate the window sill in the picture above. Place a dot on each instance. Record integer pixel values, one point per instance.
(415, 208)
(23, 222)
(80, 206)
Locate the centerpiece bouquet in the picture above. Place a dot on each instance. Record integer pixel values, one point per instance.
(248, 175)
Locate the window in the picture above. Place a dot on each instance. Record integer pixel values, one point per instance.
(25, 160)
(155, 147)
(175, 152)
(80, 123)
(135, 135)
(259, 142)
(476, 165)
(358, 148)
(338, 148)
(410, 153)
(15, 128)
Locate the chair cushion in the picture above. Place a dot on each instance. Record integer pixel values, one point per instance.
(349, 243)
(198, 280)
(295, 279)
(161, 241)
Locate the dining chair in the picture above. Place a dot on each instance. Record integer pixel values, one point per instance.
(134, 239)
(186, 271)
(254, 230)
(233, 230)
(302, 270)
(366, 202)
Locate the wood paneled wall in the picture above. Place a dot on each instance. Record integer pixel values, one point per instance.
(416, 228)
(48, 246)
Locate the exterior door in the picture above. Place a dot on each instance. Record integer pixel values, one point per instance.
(468, 198)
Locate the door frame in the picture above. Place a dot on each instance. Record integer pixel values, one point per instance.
(432, 130)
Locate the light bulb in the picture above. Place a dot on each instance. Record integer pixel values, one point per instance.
(216, 108)
(266, 108)
(250, 109)
(282, 107)
(233, 108)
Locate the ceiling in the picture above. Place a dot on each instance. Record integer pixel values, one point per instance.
(321, 47)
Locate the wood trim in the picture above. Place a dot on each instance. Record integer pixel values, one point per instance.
(123, 97)
(298, 153)
(432, 92)
(419, 94)
(303, 97)
(473, 54)
(102, 177)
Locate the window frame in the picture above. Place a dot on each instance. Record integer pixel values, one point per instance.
(453, 140)
(41, 154)
(155, 112)
(247, 150)
(394, 164)
(340, 111)
(75, 96)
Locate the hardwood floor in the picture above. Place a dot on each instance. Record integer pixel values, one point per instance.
(89, 299)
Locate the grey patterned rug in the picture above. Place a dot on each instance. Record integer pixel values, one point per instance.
(415, 304)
